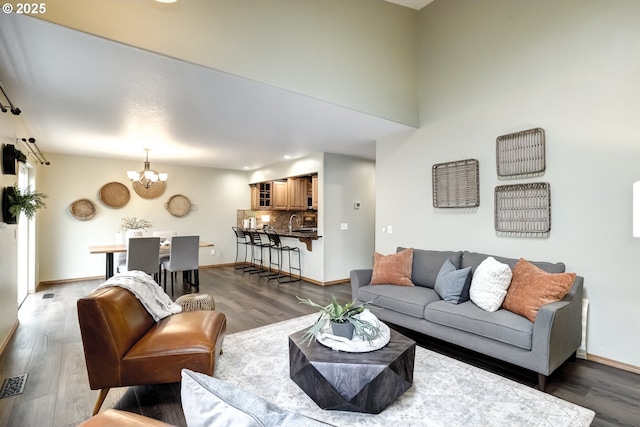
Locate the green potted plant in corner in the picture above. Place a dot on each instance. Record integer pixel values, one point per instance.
(15, 201)
(344, 320)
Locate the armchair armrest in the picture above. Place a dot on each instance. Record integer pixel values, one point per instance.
(359, 278)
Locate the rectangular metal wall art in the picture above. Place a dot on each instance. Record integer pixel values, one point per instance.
(523, 208)
(521, 153)
(456, 184)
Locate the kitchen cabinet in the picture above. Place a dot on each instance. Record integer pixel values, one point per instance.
(297, 189)
(264, 195)
(314, 192)
(254, 197)
(279, 195)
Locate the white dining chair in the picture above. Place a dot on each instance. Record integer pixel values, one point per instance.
(184, 256)
(142, 255)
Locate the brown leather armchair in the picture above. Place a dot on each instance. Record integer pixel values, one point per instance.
(124, 346)
(116, 418)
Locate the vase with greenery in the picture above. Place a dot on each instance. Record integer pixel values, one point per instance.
(134, 223)
(15, 201)
(337, 314)
(133, 226)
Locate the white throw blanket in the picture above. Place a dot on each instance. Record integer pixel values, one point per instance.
(140, 284)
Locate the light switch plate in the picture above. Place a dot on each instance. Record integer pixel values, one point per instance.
(344, 226)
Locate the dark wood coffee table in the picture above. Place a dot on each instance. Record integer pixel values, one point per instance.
(356, 382)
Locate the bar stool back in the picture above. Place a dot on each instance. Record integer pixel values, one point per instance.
(276, 244)
(241, 240)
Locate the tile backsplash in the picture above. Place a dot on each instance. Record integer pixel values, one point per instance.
(279, 220)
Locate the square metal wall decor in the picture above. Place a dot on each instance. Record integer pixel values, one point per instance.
(521, 153)
(523, 208)
(456, 184)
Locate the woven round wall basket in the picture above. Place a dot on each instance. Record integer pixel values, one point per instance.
(178, 205)
(82, 209)
(114, 194)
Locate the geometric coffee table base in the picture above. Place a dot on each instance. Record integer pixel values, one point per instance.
(356, 382)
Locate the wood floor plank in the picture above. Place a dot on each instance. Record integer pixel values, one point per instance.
(47, 347)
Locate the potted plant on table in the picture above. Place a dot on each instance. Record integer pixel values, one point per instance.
(344, 320)
(133, 226)
(15, 201)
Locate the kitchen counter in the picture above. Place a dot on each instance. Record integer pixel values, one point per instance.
(306, 236)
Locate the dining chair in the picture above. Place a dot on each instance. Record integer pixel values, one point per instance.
(164, 236)
(143, 255)
(183, 256)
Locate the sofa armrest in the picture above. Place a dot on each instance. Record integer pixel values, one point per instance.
(359, 278)
(557, 332)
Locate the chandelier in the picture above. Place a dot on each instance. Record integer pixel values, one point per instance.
(147, 177)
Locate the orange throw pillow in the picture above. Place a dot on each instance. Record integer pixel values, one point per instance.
(394, 269)
(531, 288)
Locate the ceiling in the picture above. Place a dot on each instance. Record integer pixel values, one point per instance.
(85, 95)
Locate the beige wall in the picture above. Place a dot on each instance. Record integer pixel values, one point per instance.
(494, 67)
(63, 241)
(359, 54)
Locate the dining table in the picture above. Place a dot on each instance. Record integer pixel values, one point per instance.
(114, 248)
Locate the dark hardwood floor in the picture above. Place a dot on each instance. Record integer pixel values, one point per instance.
(47, 347)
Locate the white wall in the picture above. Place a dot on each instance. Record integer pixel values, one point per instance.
(347, 180)
(356, 53)
(494, 67)
(63, 241)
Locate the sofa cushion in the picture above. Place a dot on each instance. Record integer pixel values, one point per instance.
(427, 264)
(409, 300)
(394, 269)
(501, 325)
(489, 284)
(531, 288)
(453, 285)
(473, 260)
(207, 401)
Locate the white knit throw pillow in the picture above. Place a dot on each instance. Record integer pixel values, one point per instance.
(489, 284)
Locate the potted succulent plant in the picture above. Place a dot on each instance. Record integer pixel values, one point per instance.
(344, 320)
(15, 201)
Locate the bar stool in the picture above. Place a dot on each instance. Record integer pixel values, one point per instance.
(241, 240)
(257, 247)
(276, 244)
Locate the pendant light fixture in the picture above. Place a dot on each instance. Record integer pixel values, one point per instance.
(147, 177)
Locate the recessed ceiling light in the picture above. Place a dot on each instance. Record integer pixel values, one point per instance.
(246, 168)
(286, 156)
(166, 1)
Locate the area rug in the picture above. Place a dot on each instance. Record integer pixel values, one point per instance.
(445, 392)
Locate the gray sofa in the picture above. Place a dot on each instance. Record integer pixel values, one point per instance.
(540, 347)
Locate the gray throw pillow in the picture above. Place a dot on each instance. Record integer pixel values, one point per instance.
(208, 401)
(453, 285)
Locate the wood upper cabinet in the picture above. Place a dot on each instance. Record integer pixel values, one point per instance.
(254, 197)
(261, 196)
(297, 189)
(279, 195)
(314, 192)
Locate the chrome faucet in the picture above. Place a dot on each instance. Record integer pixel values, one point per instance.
(291, 222)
